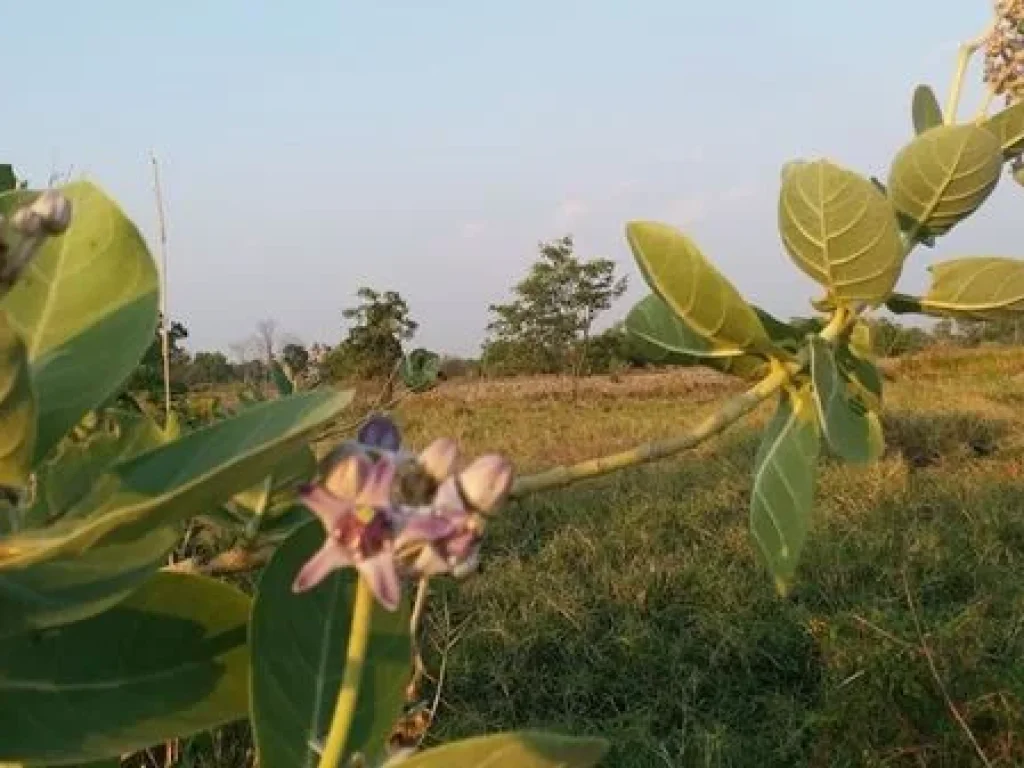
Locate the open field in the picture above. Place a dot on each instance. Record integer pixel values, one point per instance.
(634, 607)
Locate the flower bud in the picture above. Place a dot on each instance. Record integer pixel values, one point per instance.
(486, 481)
(54, 211)
(380, 432)
(438, 458)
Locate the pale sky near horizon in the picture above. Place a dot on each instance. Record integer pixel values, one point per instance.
(311, 148)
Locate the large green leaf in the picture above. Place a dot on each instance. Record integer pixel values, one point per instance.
(420, 369)
(277, 492)
(784, 481)
(851, 430)
(282, 383)
(17, 410)
(183, 478)
(981, 287)
(841, 231)
(299, 644)
(169, 661)
(656, 335)
(944, 175)
(66, 588)
(677, 271)
(63, 481)
(522, 749)
(86, 308)
(1008, 127)
(926, 110)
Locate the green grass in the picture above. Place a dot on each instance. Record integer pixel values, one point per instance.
(634, 606)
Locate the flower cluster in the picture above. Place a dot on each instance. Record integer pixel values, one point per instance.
(1004, 51)
(390, 513)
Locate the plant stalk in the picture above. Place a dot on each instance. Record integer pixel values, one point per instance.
(963, 59)
(165, 343)
(731, 412)
(355, 660)
(728, 414)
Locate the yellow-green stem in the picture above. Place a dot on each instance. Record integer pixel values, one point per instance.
(355, 660)
(731, 411)
(963, 59)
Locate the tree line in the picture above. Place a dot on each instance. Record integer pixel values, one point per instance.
(547, 327)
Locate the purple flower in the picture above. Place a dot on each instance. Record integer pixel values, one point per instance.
(370, 529)
(360, 528)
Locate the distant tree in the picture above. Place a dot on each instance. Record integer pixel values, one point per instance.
(890, 339)
(548, 324)
(210, 368)
(296, 356)
(373, 345)
(265, 340)
(149, 375)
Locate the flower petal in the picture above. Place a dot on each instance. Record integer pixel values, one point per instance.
(329, 558)
(376, 490)
(382, 578)
(326, 506)
(448, 496)
(380, 432)
(423, 526)
(348, 476)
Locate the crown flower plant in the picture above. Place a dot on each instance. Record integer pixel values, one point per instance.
(371, 529)
(321, 653)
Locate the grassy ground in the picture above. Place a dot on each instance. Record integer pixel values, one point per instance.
(634, 606)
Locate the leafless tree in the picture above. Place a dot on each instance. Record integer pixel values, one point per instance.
(266, 339)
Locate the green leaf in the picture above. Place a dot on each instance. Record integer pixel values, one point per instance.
(980, 287)
(282, 383)
(522, 749)
(1008, 128)
(278, 491)
(1018, 174)
(847, 426)
(298, 657)
(178, 480)
(657, 335)
(841, 231)
(861, 375)
(8, 179)
(17, 410)
(784, 482)
(73, 472)
(926, 110)
(420, 370)
(169, 661)
(677, 271)
(86, 308)
(68, 587)
(944, 175)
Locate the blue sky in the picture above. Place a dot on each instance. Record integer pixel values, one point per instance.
(314, 147)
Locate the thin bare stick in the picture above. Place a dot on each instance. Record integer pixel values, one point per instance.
(165, 346)
(412, 692)
(938, 680)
